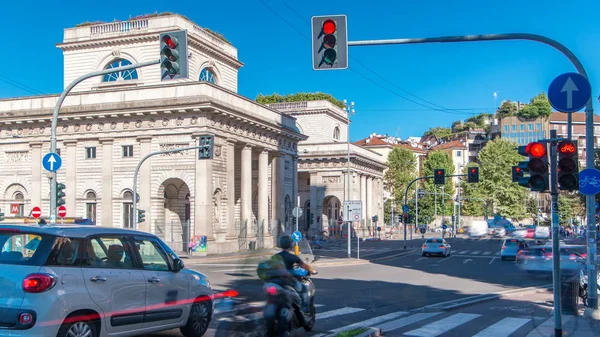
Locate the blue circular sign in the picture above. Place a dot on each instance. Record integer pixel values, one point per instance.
(405, 208)
(51, 162)
(296, 236)
(444, 226)
(569, 92)
(589, 181)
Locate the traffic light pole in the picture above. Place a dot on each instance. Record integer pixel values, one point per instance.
(59, 103)
(589, 125)
(555, 238)
(137, 170)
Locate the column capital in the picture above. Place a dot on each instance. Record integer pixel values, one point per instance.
(144, 139)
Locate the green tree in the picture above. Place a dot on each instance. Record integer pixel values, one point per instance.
(495, 179)
(436, 160)
(507, 109)
(566, 210)
(539, 106)
(471, 202)
(532, 208)
(401, 170)
(298, 97)
(439, 132)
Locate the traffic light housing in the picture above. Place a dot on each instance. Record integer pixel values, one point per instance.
(473, 174)
(537, 166)
(141, 216)
(60, 194)
(206, 147)
(568, 165)
(174, 55)
(330, 42)
(439, 176)
(517, 174)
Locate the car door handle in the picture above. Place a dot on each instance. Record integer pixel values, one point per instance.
(153, 280)
(98, 279)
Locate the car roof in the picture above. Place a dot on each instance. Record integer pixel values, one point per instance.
(71, 230)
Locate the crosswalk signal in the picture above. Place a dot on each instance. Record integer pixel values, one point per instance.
(439, 176)
(473, 175)
(538, 166)
(173, 55)
(60, 194)
(206, 147)
(330, 42)
(568, 165)
(141, 215)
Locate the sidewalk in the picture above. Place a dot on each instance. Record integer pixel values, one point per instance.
(575, 326)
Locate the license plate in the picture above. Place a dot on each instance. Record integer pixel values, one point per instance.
(270, 310)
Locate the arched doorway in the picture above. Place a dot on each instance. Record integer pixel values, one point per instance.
(332, 208)
(175, 216)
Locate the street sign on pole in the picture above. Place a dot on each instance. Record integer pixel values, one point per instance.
(405, 208)
(296, 236)
(353, 210)
(297, 212)
(51, 162)
(589, 181)
(569, 92)
(62, 211)
(36, 212)
(340, 221)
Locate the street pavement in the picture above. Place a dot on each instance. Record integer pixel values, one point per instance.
(388, 290)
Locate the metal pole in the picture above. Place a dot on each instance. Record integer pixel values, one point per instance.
(59, 103)
(349, 110)
(569, 125)
(417, 207)
(555, 238)
(589, 124)
(435, 202)
(137, 170)
(393, 206)
(459, 209)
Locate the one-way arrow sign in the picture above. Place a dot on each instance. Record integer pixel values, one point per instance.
(569, 92)
(569, 87)
(51, 162)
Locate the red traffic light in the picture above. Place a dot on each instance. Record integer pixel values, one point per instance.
(329, 26)
(518, 169)
(473, 170)
(439, 172)
(537, 150)
(169, 41)
(566, 148)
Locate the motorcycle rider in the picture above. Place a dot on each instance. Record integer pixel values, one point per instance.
(290, 261)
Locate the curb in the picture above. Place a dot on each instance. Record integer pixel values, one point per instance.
(371, 332)
(354, 261)
(226, 258)
(455, 304)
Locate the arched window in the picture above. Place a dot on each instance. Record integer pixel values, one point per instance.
(336, 133)
(207, 75)
(90, 206)
(20, 201)
(128, 216)
(124, 75)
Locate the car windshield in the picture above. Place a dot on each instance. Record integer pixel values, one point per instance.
(509, 243)
(24, 248)
(434, 241)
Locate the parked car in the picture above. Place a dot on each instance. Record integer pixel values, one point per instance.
(437, 246)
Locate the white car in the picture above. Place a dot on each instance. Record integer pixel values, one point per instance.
(70, 280)
(436, 246)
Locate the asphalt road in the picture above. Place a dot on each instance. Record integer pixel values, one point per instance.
(384, 290)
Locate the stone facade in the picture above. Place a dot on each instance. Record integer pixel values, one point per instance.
(107, 125)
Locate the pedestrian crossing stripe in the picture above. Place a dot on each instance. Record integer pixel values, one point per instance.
(444, 325)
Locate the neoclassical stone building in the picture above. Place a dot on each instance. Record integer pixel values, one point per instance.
(107, 124)
(323, 163)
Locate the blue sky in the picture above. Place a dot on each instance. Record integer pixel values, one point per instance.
(272, 37)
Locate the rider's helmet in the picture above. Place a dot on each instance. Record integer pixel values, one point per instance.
(285, 241)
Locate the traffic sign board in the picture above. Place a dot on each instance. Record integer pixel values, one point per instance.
(352, 210)
(36, 212)
(569, 92)
(405, 208)
(379, 228)
(14, 208)
(296, 236)
(589, 181)
(297, 212)
(444, 226)
(51, 162)
(62, 211)
(340, 221)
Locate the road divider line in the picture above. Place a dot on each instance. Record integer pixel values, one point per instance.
(442, 326)
(493, 259)
(503, 328)
(370, 322)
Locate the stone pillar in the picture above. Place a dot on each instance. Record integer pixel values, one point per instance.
(294, 164)
(106, 216)
(145, 184)
(277, 188)
(36, 174)
(370, 207)
(263, 191)
(71, 177)
(363, 196)
(230, 153)
(203, 203)
(314, 177)
(246, 187)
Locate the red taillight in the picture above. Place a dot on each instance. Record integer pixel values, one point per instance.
(25, 318)
(547, 254)
(442, 246)
(271, 290)
(37, 283)
(424, 246)
(230, 293)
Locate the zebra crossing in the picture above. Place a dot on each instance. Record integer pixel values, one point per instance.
(490, 253)
(330, 321)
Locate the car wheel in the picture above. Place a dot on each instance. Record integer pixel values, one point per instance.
(198, 321)
(78, 329)
(312, 316)
(423, 254)
(502, 258)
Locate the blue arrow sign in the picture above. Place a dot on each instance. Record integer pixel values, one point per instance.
(405, 208)
(589, 181)
(569, 92)
(296, 236)
(51, 162)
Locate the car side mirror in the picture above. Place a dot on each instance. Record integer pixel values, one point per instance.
(178, 265)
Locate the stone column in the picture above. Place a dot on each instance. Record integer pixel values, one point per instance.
(230, 153)
(277, 187)
(246, 187)
(363, 196)
(145, 184)
(71, 177)
(263, 191)
(36, 174)
(294, 164)
(203, 203)
(106, 216)
(314, 183)
(370, 197)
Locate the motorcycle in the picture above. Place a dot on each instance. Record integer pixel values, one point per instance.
(282, 313)
(583, 284)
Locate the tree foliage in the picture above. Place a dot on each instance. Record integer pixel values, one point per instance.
(298, 97)
(566, 209)
(436, 160)
(507, 109)
(439, 132)
(401, 170)
(472, 203)
(531, 208)
(539, 106)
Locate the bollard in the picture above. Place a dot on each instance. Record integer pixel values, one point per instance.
(297, 250)
(569, 295)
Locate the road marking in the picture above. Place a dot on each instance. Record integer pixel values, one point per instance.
(370, 322)
(497, 254)
(419, 259)
(402, 322)
(447, 258)
(442, 326)
(337, 312)
(242, 318)
(475, 252)
(464, 252)
(503, 328)
(492, 260)
(487, 253)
